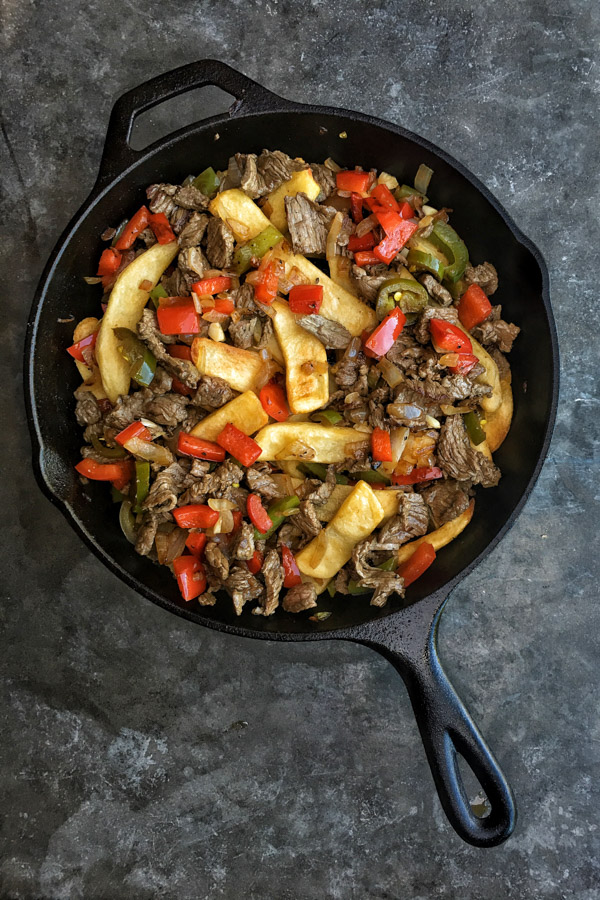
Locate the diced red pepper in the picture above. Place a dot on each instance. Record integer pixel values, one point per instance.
(239, 445)
(196, 542)
(384, 197)
(291, 571)
(356, 207)
(265, 289)
(352, 181)
(274, 401)
(406, 210)
(177, 315)
(190, 445)
(180, 388)
(110, 261)
(414, 567)
(389, 220)
(212, 285)
(395, 240)
(366, 258)
(163, 232)
(191, 579)
(223, 305)
(136, 429)
(88, 342)
(134, 227)
(466, 362)
(473, 307)
(381, 445)
(120, 471)
(425, 473)
(195, 515)
(180, 351)
(255, 564)
(382, 339)
(306, 298)
(366, 242)
(258, 514)
(238, 518)
(448, 337)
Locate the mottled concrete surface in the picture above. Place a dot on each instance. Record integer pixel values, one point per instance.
(142, 756)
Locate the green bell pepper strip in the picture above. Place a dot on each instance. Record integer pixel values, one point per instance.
(156, 293)
(142, 483)
(405, 191)
(327, 417)
(276, 514)
(457, 289)
(109, 452)
(371, 476)
(412, 296)
(117, 496)
(142, 361)
(446, 239)
(474, 429)
(419, 261)
(257, 247)
(390, 565)
(318, 470)
(207, 182)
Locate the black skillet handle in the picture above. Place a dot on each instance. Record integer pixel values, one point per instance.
(446, 728)
(249, 96)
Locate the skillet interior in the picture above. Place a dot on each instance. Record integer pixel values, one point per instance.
(314, 135)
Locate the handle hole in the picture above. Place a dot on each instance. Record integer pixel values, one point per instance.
(177, 112)
(476, 796)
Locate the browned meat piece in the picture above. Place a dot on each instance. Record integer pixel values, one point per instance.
(308, 224)
(368, 285)
(242, 586)
(162, 199)
(189, 197)
(341, 581)
(146, 533)
(272, 572)
(384, 583)
(259, 480)
(457, 459)
(219, 243)
(206, 599)
(502, 363)
(216, 561)
(300, 597)
(167, 409)
(193, 232)
(447, 389)
(147, 236)
(377, 399)
(212, 392)
(127, 409)
(333, 335)
(97, 430)
(87, 411)
(214, 484)
(192, 264)
(484, 275)
(436, 290)
(411, 522)
(351, 365)
(307, 520)
(446, 500)
(495, 332)
(291, 536)
(242, 332)
(261, 175)
(243, 544)
(162, 381)
(266, 333)
(421, 331)
(323, 490)
(325, 178)
(166, 487)
(199, 468)
(182, 369)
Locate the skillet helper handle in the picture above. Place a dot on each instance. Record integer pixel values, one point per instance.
(118, 156)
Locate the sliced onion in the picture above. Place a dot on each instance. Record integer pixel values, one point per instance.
(356, 449)
(127, 521)
(363, 427)
(147, 450)
(422, 178)
(241, 230)
(404, 410)
(285, 483)
(353, 348)
(398, 437)
(366, 225)
(390, 372)
(223, 525)
(296, 450)
(220, 504)
(175, 544)
(331, 164)
(451, 410)
(433, 422)
(215, 332)
(92, 279)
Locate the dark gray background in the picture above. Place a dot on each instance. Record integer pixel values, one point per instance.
(142, 756)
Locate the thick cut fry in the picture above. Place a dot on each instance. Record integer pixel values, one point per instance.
(491, 375)
(441, 536)
(497, 423)
(306, 369)
(326, 511)
(243, 216)
(300, 182)
(125, 306)
(245, 412)
(241, 369)
(339, 266)
(338, 303)
(360, 513)
(328, 442)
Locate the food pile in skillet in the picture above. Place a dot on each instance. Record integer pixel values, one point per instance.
(297, 382)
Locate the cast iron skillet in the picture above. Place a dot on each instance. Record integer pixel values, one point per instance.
(405, 631)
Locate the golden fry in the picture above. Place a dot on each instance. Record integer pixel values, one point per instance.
(245, 412)
(306, 369)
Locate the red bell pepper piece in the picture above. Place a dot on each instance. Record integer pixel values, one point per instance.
(446, 336)
(191, 579)
(352, 181)
(382, 339)
(110, 261)
(406, 210)
(306, 298)
(366, 258)
(195, 515)
(190, 445)
(414, 567)
(180, 388)
(212, 285)
(473, 307)
(381, 445)
(134, 227)
(426, 473)
(196, 542)
(177, 315)
(265, 289)
(136, 429)
(290, 568)
(466, 361)
(120, 471)
(255, 564)
(356, 207)
(87, 342)
(366, 242)
(163, 232)
(258, 514)
(395, 240)
(239, 445)
(180, 351)
(384, 197)
(238, 518)
(274, 401)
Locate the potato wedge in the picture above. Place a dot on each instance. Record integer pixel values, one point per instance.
(356, 518)
(300, 182)
(497, 423)
(306, 369)
(339, 266)
(338, 303)
(243, 216)
(125, 307)
(441, 536)
(241, 369)
(326, 511)
(491, 375)
(329, 442)
(245, 412)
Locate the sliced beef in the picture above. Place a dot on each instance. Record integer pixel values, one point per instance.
(219, 243)
(193, 232)
(261, 175)
(333, 335)
(484, 275)
(192, 264)
(243, 544)
(242, 586)
(446, 500)
(214, 484)
(411, 522)
(366, 284)
(502, 363)
(162, 199)
(495, 332)
(457, 459)
(266, 333)
(166, 487)
(320, 491)
(167, 409)
(307, 520)
(87, 410)
(242, 332)
(273, 574)
(162, 381)
(189, 197)
(127, 409)
(150, 334)
(421, 331)
(146, 533)
(212, 393)
(326, 180)
(300, 597)
(351, 366)
(436, 290)
(199, 468)
(260, 481)
(368, 576)
(308, 224)
(377, 400)
(216, 562)
(448, 389)
(291, 536)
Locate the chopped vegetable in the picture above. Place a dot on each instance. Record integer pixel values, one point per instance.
(301, 181)
(277, 515)
(366, 242)
(177, 315)
(136, 429)
(255, 564)
(180, 351)
(352, 181)
(141, 361)
(133, 229)
(292, 575)
(211, 286)
(195, 515)
(109, 452)
(422, 178)
(306, 298)
(407, 293)
(243, 216)
(156, 294)
(474, 429)
(274, 401)
(207, 182)
(421, 261)
(110, 260)
(196, 542)
(255, 248)
(265, 288)
(156, 453)
(87, 343)
(474, 307)
(400, 230)
(163, 232)
(421, 559)
(382, 339)
(190, 445)
(445, 238)
(356, 207)
(239, 445)
(118, 472)
(328, 417)
(446, 336)
(191, 579)
(384, 197)
(142, 483)
(418, 475)
(381, 445)
(258, 514)
(372, 476)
